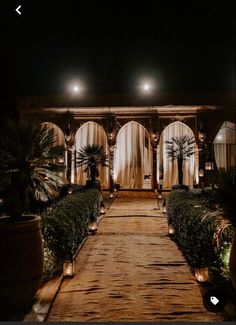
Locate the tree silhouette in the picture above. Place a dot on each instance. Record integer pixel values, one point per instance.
(180, 149)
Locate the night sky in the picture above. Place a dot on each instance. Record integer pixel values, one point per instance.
(182, 45)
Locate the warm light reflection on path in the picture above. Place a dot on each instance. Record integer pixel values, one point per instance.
(130, 271)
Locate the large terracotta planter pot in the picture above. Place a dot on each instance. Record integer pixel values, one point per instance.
(232, 261)
(21, 263)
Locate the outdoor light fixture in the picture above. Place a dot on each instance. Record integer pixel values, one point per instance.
(75, 87)
(201, 173)
(202, 274)
(201, 136)
(70, 190)
(61, 160)
(158, 197)
(103, 210)
(171, 230)
(146, 87)
(92, 227)
(68, 268)
(209, 165)
(154, 136)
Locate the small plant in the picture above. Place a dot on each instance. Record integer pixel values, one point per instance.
(92, 156)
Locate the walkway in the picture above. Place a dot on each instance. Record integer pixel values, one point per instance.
(130, 271)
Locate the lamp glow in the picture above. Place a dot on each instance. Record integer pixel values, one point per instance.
(202, 274)
(68, 268)
(171, 229)
(76, 89)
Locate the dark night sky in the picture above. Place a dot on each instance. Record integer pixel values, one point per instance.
(183, 45)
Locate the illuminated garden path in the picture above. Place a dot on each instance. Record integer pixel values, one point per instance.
(130, 271)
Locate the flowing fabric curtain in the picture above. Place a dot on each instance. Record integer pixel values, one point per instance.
(92, 133)
(132, 156)
(170, 168)
(59, 141)
(225, 146)
(59, 135)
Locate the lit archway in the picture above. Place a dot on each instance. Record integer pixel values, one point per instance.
(132, 159)
(92, 133)
(225, 146)
(58, 134)
(167, 171)
(59, 140)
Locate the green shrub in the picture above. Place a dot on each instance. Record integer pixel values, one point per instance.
(195, 223)
(65, 225)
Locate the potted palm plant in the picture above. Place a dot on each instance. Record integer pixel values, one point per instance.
(92, 156)
(180, 149)
(26, 175)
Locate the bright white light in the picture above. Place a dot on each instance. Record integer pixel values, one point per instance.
(219, 137)
(76, 89)
(146, 87)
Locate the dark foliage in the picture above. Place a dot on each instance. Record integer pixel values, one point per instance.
(196, 227)
(26, 176)
(65, 225)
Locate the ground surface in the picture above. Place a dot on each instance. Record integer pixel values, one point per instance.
(130, 271)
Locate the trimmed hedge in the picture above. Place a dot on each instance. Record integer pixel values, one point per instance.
(65, 225)
(190, 213)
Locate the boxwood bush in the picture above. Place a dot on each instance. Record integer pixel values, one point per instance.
(195, 224)
(65, 225)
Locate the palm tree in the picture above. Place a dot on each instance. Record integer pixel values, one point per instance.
(92, 156)
(26, 172)
(180, 149)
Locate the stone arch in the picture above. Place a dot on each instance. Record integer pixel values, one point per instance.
(224, 146)
(132, 158)
(91, 133)
(59, 141)
(167, 171)
(59, 135)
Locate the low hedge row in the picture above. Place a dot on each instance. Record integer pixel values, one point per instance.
(65, 225)
(192, 215)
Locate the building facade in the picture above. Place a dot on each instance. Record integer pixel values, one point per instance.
(134, 132)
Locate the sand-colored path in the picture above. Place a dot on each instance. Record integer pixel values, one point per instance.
(130, 271)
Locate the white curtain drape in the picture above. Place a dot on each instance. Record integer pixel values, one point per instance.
(170, 169)
(132, 156)
(92, 133)
(59, 141)
(225, 146)
(58, 134)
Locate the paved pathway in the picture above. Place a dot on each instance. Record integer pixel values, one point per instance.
(130, 271)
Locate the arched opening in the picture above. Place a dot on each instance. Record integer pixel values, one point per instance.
(167, 170)
(91, 133)
(58, 134)
(59, 141)
(225, 146)
(132, 159)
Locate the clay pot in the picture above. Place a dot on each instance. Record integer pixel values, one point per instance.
(21, 266)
